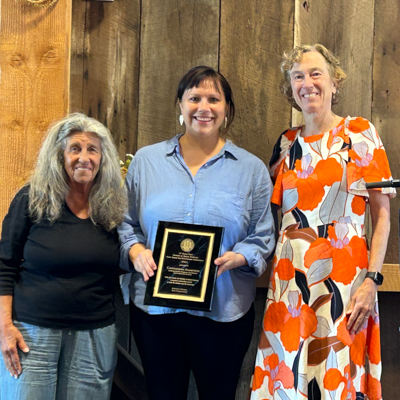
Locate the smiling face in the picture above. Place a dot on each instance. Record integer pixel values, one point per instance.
(311, 83)
(82, 157)
(203, 109)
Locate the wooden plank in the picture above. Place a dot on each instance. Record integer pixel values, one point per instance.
(176, 36)
(254, 35)
(391, 283)
(105, 60)
(34, 86)
(78, 53)
(347, 29)
(386, 100)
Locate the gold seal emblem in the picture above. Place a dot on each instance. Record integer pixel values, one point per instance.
(187, 245)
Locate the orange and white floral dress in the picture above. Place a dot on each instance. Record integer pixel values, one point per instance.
(305, 350)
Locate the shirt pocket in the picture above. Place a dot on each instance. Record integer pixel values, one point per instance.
(226, 205)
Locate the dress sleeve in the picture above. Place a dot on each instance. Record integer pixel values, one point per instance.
(129, 230)
(367, 158)
(260, 242)
(16, 227)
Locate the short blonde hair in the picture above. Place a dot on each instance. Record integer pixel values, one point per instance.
(289, 59)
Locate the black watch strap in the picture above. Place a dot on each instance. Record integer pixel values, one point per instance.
(377, 277)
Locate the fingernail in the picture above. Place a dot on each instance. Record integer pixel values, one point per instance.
(15, 376)
(11, 375)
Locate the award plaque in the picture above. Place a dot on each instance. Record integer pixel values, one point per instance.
(186, 273)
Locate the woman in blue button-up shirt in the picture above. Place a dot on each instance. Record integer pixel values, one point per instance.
(198, 177)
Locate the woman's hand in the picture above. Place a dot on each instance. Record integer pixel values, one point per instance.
(361, 305)
(229, 260)
(142, 260)
(10, 339)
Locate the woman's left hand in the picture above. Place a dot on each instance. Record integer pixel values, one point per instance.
(229, 260)
(363, 300)
(361, 305)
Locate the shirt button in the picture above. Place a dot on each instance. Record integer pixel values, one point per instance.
(188, 214)
(205, 164)
(191, 195)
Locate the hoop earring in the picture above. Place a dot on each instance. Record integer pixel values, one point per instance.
(181, 119)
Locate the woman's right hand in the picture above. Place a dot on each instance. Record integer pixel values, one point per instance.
(142, 260)
(10, 339)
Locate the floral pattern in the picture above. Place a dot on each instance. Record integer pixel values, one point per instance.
(305, 350)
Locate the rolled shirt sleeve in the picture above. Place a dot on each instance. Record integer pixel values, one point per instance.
(130, 231)
(260, 242)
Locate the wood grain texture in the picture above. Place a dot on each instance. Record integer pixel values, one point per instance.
(176, 36)
(386, 100)
(347, 29)
(391, 283)
(78, 29)
(34, 86)
(252, 43)
(105, 66)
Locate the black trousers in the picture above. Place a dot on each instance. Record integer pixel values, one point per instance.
(171, 345)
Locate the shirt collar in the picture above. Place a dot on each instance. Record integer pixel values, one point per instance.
(229, 147)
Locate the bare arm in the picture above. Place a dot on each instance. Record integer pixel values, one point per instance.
(380, 214)
(10, 337)
(362, 303)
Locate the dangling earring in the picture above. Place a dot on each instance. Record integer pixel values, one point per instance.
(334, 96)
(226, 122)
(181, 119)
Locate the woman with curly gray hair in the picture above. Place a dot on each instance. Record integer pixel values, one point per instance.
(59, 254)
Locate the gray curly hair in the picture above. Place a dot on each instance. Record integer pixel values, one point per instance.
(49, 181)
(337, 74)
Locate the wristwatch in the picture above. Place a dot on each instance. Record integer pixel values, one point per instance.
(377, 277)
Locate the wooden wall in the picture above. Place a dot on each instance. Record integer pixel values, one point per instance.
(105, 66)
(34, 84)
(128, 56)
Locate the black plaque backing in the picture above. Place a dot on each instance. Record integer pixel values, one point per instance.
(186, 273)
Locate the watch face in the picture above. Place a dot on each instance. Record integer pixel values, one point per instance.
(377, 277)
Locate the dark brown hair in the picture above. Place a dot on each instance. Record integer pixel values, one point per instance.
(196, 75)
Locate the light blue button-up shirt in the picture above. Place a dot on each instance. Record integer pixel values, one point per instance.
(233, 190)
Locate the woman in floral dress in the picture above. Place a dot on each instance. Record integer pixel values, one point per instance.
(320, 337)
